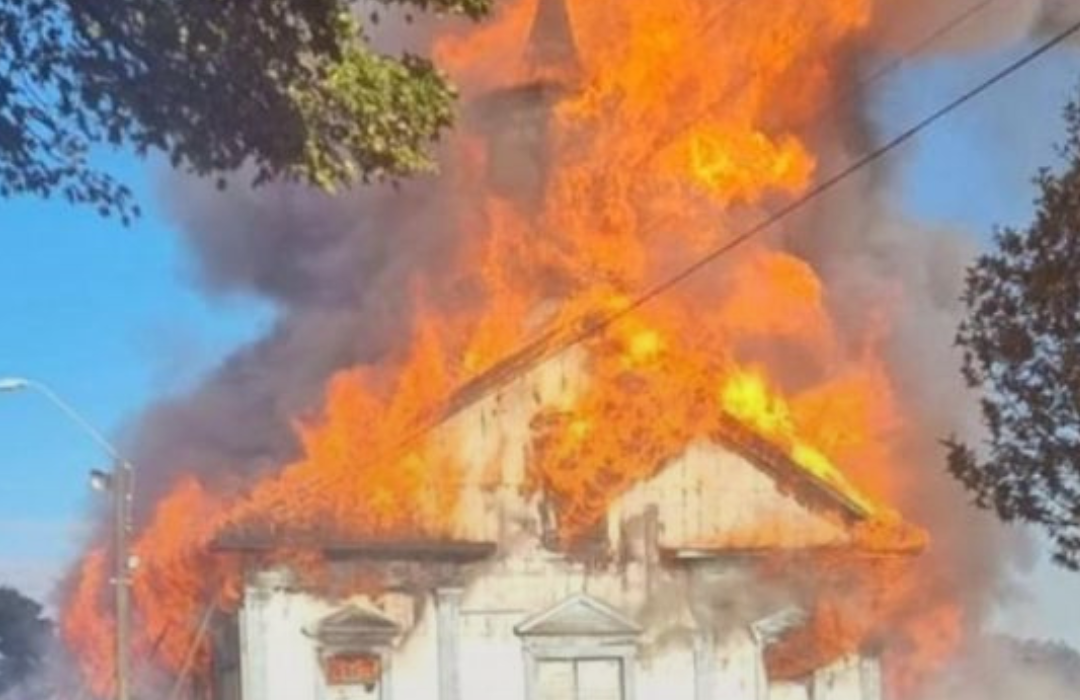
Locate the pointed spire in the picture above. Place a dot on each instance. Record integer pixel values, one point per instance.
(552, 52)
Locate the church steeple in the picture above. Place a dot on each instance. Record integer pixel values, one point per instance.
(516, 118)
(551, 53)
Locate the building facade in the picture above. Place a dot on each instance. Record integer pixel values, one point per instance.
(670, 604)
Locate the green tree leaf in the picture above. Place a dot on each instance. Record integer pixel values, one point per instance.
(287, 88)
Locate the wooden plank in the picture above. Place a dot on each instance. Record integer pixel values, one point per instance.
(379, 550)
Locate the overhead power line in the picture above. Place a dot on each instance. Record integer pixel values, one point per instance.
(961, 18)
(850, 93)
(560, 338)
(830, 183)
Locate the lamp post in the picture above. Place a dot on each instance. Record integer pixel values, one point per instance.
(118, 483)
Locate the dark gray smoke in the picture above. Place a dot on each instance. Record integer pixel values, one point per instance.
(899, 282)
(872, 258)
(993, 23)
(1006, 669)
(337, 270)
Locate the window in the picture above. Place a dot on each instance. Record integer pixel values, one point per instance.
(581, 649)
(354, 651)
(579, 679)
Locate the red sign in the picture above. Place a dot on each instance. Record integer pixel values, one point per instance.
(352, 669)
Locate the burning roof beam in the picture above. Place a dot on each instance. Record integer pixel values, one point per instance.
(859, 551)
(453, 551)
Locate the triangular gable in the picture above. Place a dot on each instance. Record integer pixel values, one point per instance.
(579, 616)
(768, 630)
(828, 484)
(712, 498)
(816, 478)
(356, 627)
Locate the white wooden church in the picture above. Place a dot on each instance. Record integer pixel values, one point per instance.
(671, 608)
(669, 605)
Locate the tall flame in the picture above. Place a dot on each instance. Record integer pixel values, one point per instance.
(676, 123)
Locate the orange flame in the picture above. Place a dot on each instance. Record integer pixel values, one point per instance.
(676, 122)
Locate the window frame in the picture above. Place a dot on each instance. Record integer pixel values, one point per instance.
(355, 629)
(534, 661)
(611, 636)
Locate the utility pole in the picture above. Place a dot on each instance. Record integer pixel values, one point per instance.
(119, 485)
(121, 497)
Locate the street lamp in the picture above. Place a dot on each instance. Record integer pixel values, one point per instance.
(118, 483)
(101, 481)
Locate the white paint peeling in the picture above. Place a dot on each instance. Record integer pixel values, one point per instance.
(493, 658)
(693, 643)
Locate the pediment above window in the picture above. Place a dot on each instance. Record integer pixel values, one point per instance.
(579, 616)
(355, 627)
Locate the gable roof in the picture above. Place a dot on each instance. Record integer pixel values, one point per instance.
(820, 487)
(710, 501)
(828, 484)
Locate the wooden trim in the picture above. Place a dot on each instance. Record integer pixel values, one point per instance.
(626, 655)
(704, 666)
(689, 555)
(455, 551)
(447, 633)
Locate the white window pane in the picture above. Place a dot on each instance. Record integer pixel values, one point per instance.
(599, 679)
(555, 680)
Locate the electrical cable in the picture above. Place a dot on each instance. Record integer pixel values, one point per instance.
(580, 330)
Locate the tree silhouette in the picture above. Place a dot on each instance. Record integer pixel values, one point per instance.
(287, 88)
(25, 635)
(1021, 344)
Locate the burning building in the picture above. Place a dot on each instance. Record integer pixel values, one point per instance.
(555, 488)
(693, 584)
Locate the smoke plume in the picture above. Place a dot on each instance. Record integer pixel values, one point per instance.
(340, 273)
(1004, 668)
(337, 271)
(992, 22)
(872, 257)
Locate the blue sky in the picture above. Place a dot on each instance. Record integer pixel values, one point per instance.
(973, 171)
(110, 317)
